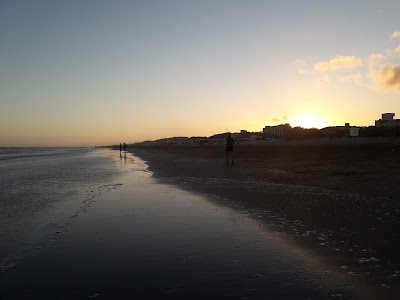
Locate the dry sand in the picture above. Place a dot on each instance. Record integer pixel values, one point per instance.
(340, 202)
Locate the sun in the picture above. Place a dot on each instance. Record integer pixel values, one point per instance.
(308, 120)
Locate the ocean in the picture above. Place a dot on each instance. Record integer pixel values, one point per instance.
(33, 181)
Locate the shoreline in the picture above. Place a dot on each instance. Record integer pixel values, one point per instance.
(137, 238)
(339, 202)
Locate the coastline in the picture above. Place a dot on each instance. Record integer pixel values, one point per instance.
(136, 238)
(338, 201)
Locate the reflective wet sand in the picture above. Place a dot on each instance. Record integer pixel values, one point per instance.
(146, 240)
(337, 202)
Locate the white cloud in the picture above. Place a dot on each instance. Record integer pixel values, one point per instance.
(338, 63)
(395, 35)
(299, 62)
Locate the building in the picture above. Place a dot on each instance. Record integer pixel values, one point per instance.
(277, 131)
(354, 131)
(387, 121)
(341, 131)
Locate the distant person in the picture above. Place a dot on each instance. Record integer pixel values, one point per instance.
(120, 147)
(229, 147)
(124, 147)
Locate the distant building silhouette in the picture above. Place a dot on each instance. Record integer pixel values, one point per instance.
(339, 131)
(277, 131)
(387, 121)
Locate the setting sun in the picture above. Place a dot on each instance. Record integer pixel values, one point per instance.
(308, 120)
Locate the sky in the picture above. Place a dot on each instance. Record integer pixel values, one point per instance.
(85, 73)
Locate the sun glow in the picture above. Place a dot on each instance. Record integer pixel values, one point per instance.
(308, 120)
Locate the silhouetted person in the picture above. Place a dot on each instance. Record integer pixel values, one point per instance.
(125, 147)
(229, 147)
(120, 147)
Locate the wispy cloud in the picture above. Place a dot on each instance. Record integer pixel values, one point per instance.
(324, 82)
(338, 63)
(281, 120)
(299, 62)
(301, 66)
(356, 78)
(395, 35)
(376, 58)
(302, 71)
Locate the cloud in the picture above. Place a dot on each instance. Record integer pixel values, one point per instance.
(395, 35)
(375, 59)
(338, 63)
(356, 78)
(380, 71)
(299, 62)
(324, 82)
(303, 71)
(386, 77)
(283, 119)
(390, 76)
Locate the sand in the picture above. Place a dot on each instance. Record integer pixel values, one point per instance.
(131, 237)
(340, 202)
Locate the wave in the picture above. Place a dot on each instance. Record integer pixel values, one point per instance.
(18, 153)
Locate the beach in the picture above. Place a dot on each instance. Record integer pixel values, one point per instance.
(196, 150)
(338, 201)
(179, 223)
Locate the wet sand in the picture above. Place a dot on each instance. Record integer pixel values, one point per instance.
(339, 202)
(137, 238)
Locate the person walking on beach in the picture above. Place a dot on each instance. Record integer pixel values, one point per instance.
(124, 147)
(229, 147)
(120, 147)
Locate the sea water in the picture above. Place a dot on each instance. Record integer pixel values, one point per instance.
(33, 180)
(95, 224)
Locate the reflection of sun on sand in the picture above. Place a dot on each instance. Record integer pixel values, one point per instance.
(308, 120)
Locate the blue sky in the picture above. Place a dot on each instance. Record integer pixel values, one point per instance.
(99, 72)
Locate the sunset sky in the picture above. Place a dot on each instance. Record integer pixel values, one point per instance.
(102, 72)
